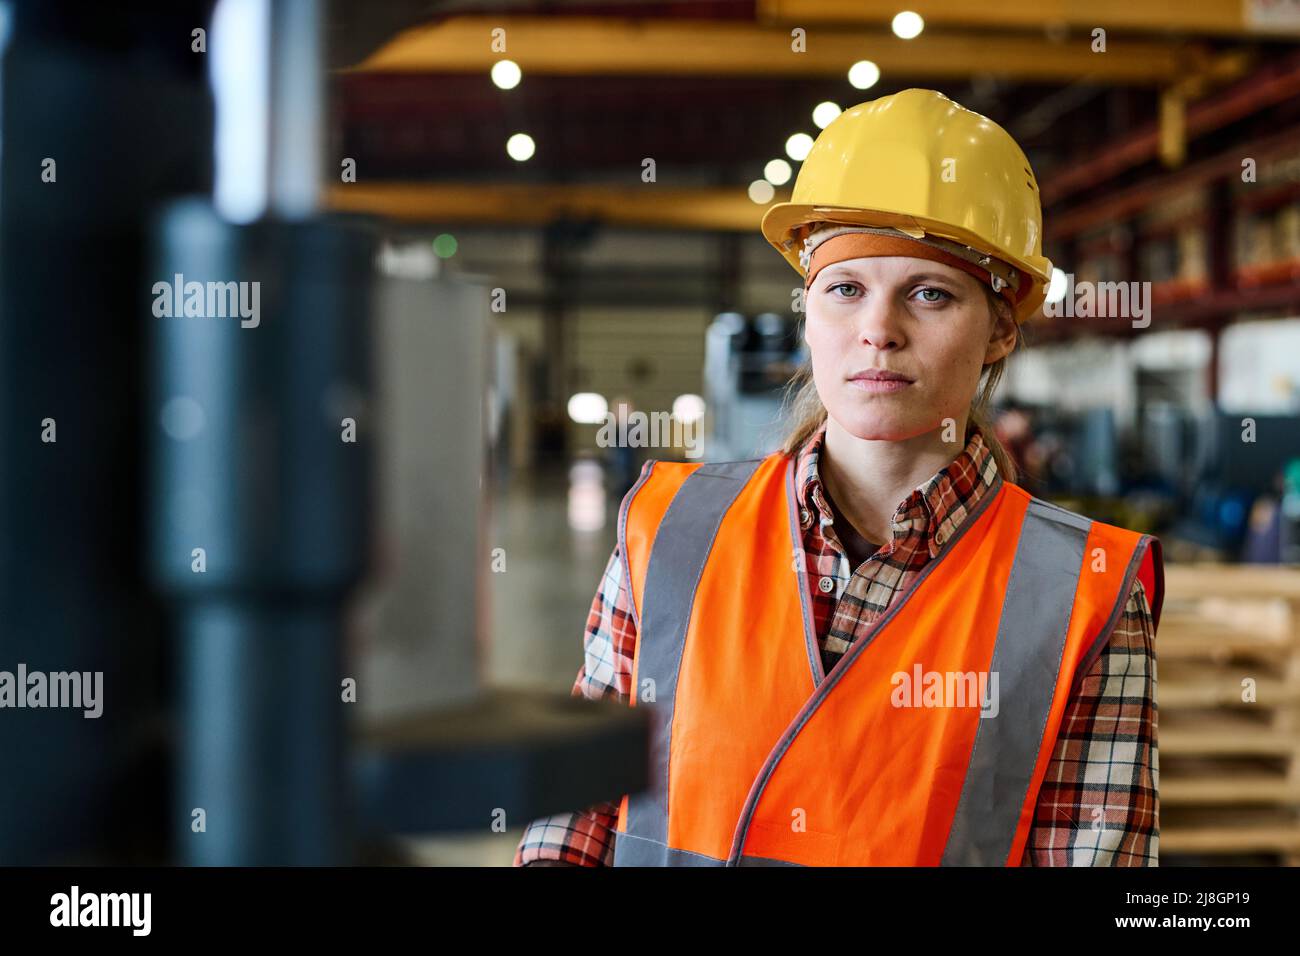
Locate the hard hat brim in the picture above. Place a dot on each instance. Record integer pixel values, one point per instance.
(782, 219)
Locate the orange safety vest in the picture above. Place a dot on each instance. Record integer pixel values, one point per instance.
(927, 742)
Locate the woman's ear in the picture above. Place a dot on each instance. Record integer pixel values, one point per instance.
(1003, 335)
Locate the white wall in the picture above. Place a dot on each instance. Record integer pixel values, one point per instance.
(1259, 367)
(1075, 376)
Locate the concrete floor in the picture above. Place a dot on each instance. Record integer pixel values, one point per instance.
(538, 612)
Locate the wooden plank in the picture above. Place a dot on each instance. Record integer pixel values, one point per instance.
(1234, 580)
(1220, 830)
(1223, 735)
(1230, 839)
(1255, 788)
(1194, 683)
(1272, 617)
(1202, 644)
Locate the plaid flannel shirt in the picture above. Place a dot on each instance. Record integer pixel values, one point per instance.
(1098, 804)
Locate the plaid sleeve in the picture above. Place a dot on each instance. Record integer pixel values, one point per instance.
(585, 838)
(1099, 803)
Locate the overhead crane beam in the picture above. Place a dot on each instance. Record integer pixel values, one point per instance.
(523, 204)
(594, 46)
(1219, 18)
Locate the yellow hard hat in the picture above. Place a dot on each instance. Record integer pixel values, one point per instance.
(920, 163)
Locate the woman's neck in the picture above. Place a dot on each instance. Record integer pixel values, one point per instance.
(869, 479)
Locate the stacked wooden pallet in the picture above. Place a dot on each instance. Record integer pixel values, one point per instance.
(1228, 690)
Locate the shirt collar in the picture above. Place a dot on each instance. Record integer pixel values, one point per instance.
(936, 508)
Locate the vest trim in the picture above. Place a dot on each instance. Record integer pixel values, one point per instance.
(632, 850)
(1044, 578)
(1147, 543)
(622, 536)
(691, 525)
(805, 600)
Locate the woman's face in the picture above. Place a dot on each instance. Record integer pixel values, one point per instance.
(926, 322)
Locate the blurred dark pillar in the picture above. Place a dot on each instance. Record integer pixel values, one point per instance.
(562, 241)
(115, 97)
(253, 469)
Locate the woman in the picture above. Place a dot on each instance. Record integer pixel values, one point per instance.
(872, 647)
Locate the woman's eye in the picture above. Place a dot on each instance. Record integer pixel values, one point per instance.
(843, 285)
(939, 295)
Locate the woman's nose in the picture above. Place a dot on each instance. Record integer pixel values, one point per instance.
(879, 323)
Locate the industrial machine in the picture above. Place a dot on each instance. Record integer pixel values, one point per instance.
(748, 362)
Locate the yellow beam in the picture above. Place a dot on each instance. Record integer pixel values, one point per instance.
(592, 46)
(1217, 71)
(1201, 17)
(526, 204)
(1173, 128)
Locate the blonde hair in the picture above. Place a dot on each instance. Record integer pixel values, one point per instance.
(804, 409)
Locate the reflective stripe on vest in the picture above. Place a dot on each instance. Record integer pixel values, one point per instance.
(687, 530)
(1029, 557)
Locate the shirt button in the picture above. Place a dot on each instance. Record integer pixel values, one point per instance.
(827, 584)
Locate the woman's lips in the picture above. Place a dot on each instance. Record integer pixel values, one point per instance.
(879, 385)
(880, 382)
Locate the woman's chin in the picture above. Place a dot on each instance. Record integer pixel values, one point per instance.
(879, 427)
